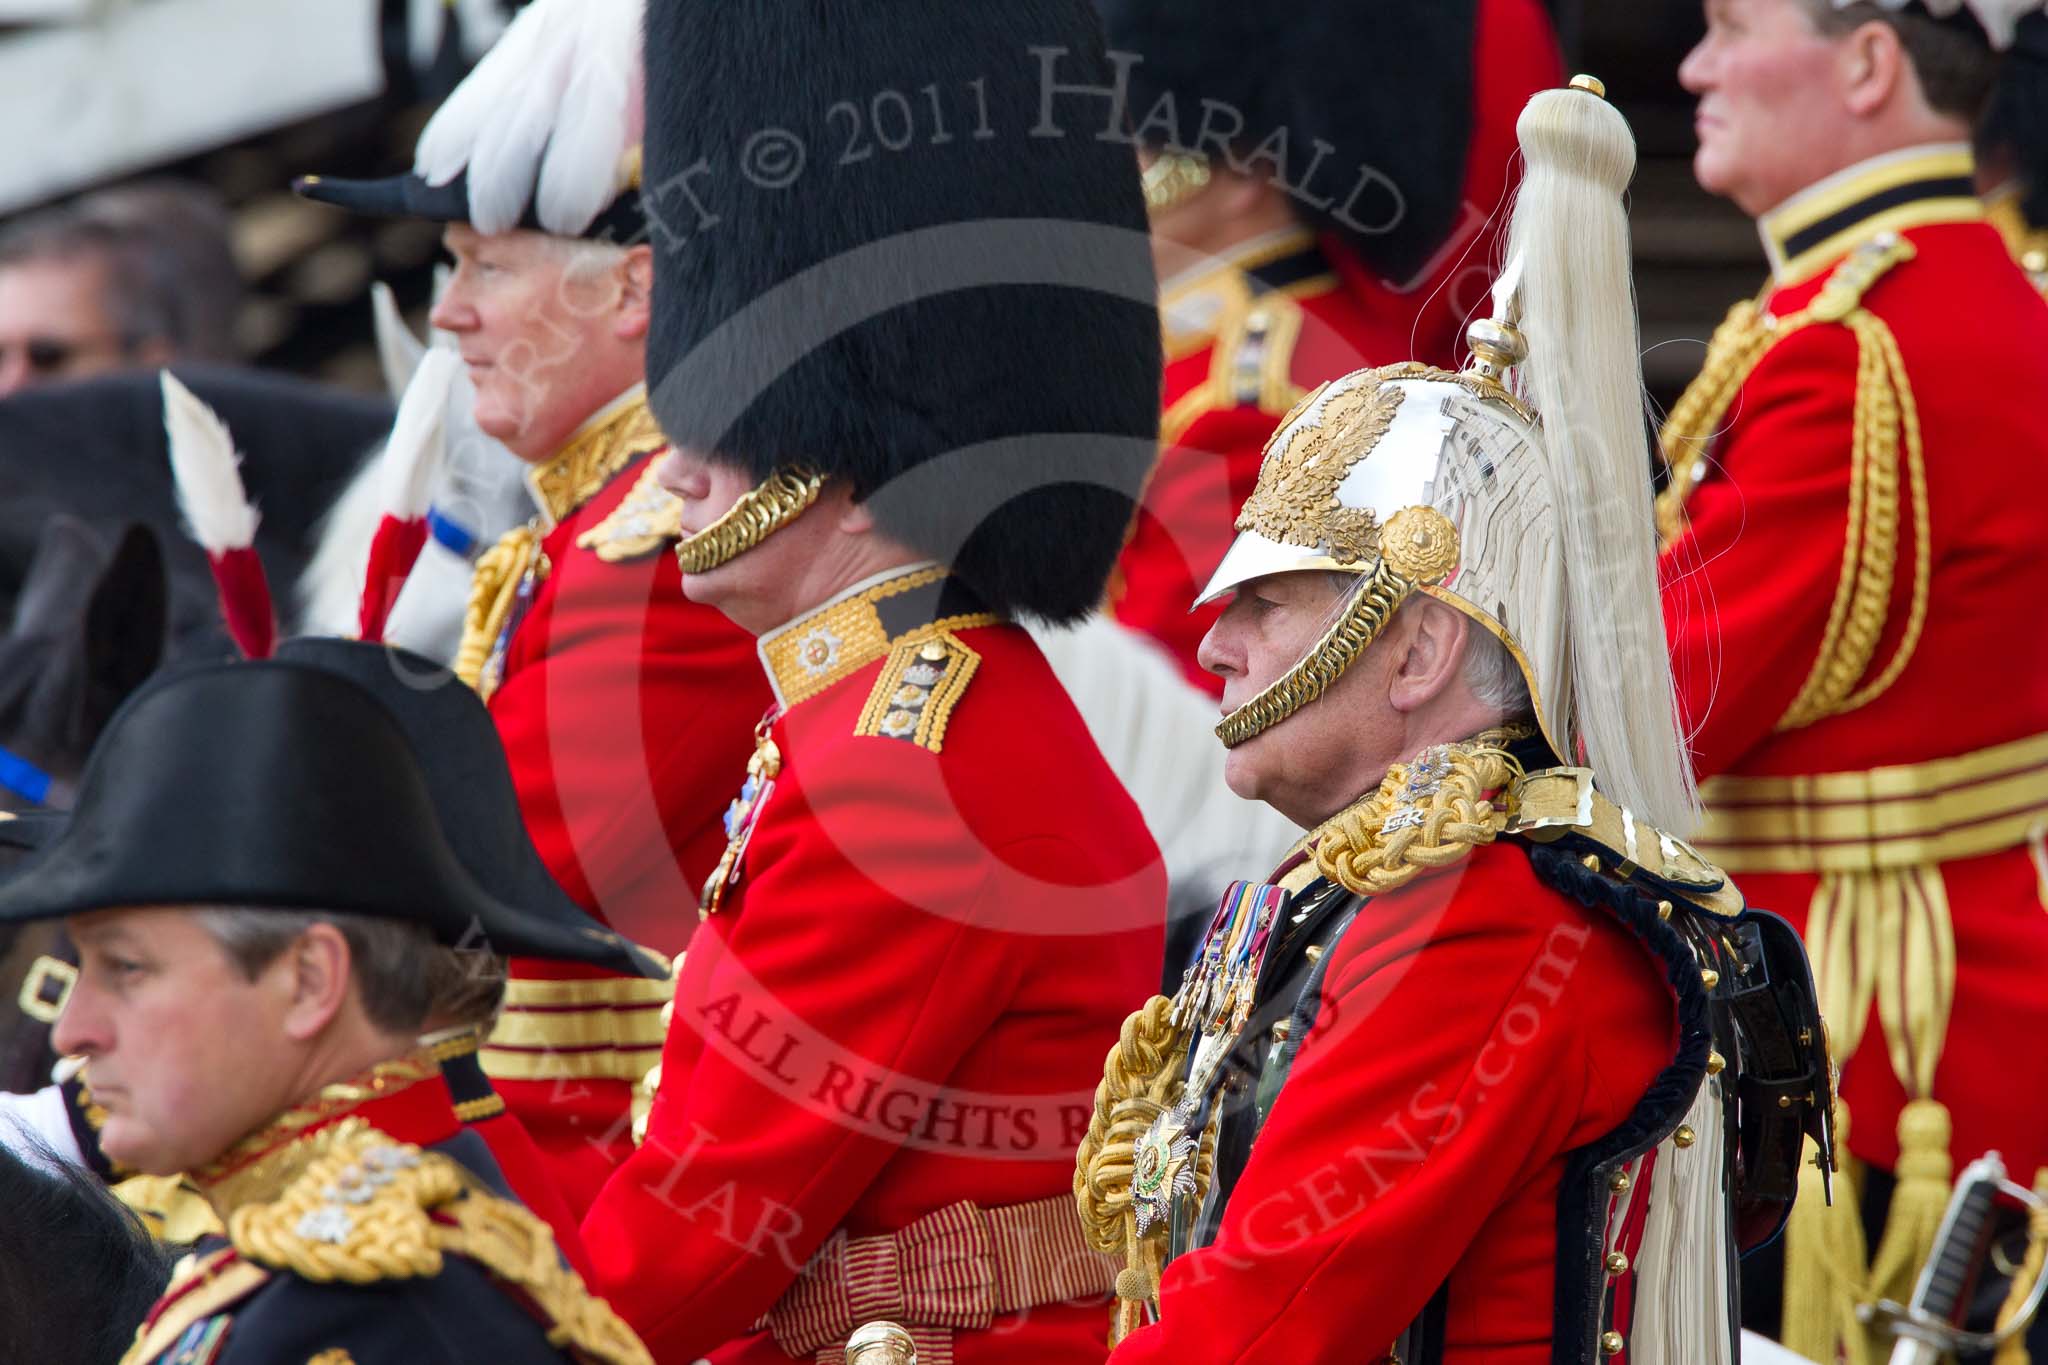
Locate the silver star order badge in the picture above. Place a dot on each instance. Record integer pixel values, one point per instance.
(330, 1223)
(1161, 1171)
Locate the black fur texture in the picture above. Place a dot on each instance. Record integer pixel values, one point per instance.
(946, 298)
(1385, 84)
(77, 1272)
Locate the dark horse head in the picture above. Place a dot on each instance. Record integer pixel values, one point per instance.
(88, 628)
(95, 571)
(77, 1272)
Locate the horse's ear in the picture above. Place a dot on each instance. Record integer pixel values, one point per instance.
(67, 554)
(125, 624)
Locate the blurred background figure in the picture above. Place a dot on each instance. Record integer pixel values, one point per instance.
(2012, 150)
(140, 275)
(1310, 216)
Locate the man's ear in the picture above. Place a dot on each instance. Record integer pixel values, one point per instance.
(315, 972)
(636, 293)
(1434, 657)
(853, 514)
(1873, 69)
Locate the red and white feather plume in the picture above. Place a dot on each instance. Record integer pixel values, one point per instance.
(207, 472)
(412, 462)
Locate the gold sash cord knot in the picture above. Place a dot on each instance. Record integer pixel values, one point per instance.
(953, 1269)
(1879, 932)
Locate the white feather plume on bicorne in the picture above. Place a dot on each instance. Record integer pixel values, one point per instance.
(2000, 18)
(207, 472)
(546, 118)
(418, 446)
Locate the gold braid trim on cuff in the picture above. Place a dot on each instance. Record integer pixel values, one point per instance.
(1367, 615)
(760, 512)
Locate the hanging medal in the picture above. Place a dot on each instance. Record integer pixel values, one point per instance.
(741, 816)
(1214, 1004)
(535, 573)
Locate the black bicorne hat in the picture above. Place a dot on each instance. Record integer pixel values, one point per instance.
(892, 244)
(409, 196)
(1363, 108)
(542, 134)
(22, 834)
(281, 784)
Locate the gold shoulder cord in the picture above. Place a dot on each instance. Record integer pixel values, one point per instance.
(1402, 830)
(1886, 420)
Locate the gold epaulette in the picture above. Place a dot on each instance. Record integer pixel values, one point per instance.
(648, 519)
(1251, 364)
(370, 1209)
(1886, 424)
(1427, 813)
(506, 1239)
(1560, 801)
(922, 680)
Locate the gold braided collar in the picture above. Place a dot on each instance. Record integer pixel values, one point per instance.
(593, 457)
(263, 1163)
(1427, 813)
(841, 638)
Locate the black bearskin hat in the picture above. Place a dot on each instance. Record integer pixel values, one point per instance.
(900, 242)
(1361, 108)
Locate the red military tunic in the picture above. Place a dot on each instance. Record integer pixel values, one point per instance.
(483, 1112)
(627, 712)
(1476, 1027)
(1247, 335)
(1853, 577)
(939, 904)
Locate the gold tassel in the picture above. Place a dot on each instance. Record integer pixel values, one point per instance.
(1824, 1263)
(1925, 1178)
(2014, 1351)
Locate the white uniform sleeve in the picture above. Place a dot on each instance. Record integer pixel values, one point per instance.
(38, 1126)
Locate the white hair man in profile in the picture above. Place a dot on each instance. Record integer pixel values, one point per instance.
(624, 707)
(1459, 1047)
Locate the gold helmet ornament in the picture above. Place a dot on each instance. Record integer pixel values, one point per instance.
(1516, 491)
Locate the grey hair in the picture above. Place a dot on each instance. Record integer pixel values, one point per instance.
(1495, 676)
(1491, 670)
(583, 259)
(1957, 70)
(392, 962)
(467, 986)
